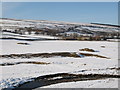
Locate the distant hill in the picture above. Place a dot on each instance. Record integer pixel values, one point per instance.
(106, 24)
(59, 28)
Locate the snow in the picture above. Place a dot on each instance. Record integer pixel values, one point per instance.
(114, 40)
(11, 82)
(32, 37)
(13, 75)
(59, 46)
(104, 29)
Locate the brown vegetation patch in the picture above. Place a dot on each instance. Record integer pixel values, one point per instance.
(48, 55)
(87, 54)
(42, 55)
(23, 43)
(29, 62)
(116, 68)
(87, 49)
(103, 46)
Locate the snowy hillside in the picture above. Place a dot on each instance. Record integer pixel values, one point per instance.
(12, 24)
(42, 29)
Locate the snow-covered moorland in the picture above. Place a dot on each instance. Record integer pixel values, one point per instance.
(100, 57)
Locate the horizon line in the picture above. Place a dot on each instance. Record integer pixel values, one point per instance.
(63, 21)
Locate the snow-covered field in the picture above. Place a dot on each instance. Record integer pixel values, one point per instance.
(13, 75)
(27, 37)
